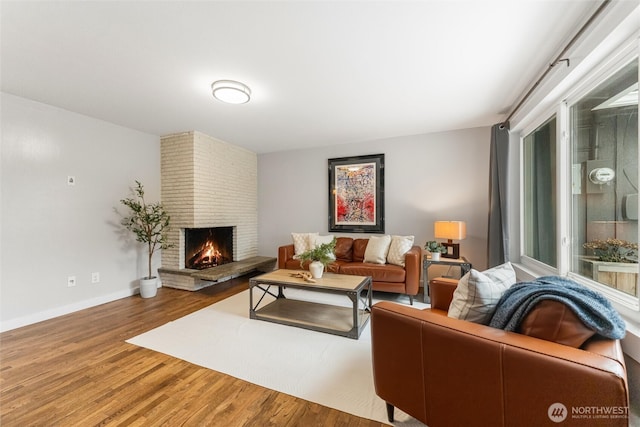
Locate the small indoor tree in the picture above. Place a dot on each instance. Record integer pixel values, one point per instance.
(148, 221)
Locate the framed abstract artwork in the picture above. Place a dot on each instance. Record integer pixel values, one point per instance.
(356, 194)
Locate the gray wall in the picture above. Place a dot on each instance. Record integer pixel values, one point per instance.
(51, 230)
(438, 176)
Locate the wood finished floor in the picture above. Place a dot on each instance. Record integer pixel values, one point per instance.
(77, 370)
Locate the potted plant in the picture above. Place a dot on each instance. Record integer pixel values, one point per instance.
(150, 223)
(436, 249)
(614, 250)
(319, 256)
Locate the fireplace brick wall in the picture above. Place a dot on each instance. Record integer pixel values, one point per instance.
(208, 183)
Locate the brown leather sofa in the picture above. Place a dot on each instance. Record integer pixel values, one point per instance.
(349, 260)
(449, 372)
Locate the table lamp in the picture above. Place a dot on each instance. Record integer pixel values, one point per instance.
(450, 230)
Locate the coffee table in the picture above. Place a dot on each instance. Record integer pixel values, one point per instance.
(316, 316)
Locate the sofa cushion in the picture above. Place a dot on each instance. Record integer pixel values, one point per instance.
(378, 272)
(344, 249)
(359, 246)
(478, 293)
(302, 242)
(400, 245)
(334, 267)
(377, 249)
(294, 264)
(554, 321)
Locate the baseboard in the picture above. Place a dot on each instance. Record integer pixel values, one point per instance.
(19, 322)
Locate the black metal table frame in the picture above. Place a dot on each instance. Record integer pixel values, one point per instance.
(465, 267)
(354, 295)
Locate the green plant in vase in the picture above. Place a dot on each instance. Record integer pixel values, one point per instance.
(435, 248)
(319, 256)
(150, 223)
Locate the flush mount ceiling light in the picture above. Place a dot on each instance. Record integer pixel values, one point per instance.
(230, 91)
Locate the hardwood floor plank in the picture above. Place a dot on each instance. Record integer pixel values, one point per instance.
(77, 370)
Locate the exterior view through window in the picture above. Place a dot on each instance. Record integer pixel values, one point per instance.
(604, 182)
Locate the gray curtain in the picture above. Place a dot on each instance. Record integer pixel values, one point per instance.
(498, 239)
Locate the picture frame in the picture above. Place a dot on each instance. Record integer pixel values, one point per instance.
(356, 194)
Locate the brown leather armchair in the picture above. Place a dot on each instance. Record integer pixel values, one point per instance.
(449, 372)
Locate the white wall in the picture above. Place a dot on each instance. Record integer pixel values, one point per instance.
(439, 176)
(51, 230)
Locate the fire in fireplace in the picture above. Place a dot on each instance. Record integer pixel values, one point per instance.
(208, 247)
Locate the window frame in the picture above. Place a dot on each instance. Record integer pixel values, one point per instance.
(561, 110)
(531, 263)
(596, 78)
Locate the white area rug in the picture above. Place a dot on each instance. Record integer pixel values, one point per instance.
(330, 370)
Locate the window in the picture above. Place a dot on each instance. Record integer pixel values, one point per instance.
(604, 182)
(580, 180)
(540, 194)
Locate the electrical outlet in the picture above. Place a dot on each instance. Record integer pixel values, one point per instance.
(71, 281)
(95, 277)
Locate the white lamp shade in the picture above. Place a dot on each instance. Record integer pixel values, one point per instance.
(230, 91)
(451, 230)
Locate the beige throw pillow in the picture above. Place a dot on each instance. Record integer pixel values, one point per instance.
(302, 242)
(400, 245)
(478, 293)
(377, 249)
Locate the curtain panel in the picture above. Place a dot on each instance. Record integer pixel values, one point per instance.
(498, 238)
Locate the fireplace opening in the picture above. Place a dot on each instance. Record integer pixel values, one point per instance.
(208, 247)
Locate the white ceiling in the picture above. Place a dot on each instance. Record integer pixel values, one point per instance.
(321, 73)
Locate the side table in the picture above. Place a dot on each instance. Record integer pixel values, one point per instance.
(465, 267)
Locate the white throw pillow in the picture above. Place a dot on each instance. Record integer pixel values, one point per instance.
(321, 240)
(400, 245)
(302, 242)
(477, 293)
(377, 249)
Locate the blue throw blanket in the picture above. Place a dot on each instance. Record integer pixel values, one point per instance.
(589, 306)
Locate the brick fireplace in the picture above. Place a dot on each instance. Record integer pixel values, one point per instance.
(206, 183)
